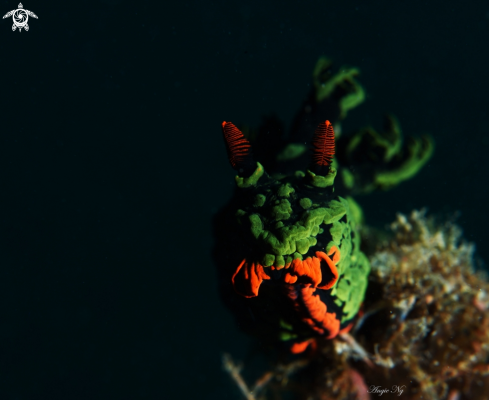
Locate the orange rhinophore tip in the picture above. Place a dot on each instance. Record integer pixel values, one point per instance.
(238, 147)
(323, 145)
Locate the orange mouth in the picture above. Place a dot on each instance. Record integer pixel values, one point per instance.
(302, 279)
(319, 271)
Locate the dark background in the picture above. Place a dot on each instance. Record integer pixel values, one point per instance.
(112, 165)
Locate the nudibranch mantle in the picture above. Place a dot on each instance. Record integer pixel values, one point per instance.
(299, 247)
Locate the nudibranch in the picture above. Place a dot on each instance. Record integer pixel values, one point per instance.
(294, 248)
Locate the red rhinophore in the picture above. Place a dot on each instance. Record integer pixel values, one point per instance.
(238, 147)
(323, 143)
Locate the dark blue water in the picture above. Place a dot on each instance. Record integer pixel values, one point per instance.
(112, 166)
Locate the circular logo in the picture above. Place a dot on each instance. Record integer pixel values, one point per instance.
(20, 17)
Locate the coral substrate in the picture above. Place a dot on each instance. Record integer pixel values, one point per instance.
(424, 332)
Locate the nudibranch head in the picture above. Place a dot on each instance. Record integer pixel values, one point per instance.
(297, 238)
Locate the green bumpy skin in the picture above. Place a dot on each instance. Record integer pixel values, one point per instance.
(354, 266)
(289, 225)
(322, 181)
(297, 237)
(251, 180)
